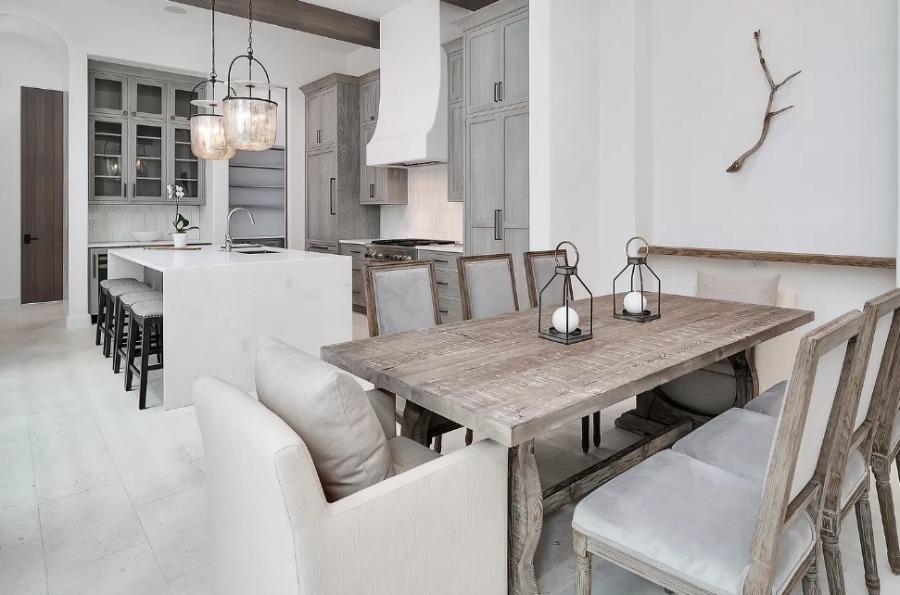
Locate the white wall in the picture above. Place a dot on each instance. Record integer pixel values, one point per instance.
(625, 97)
(139, 31)
(24, 62)
(825, 179)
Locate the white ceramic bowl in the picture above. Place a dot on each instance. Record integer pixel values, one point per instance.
(146, 236)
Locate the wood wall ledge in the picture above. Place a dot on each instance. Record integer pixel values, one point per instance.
(873, 262)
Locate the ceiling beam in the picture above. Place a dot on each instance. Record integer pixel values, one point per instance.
(470, 4)
(303, 16)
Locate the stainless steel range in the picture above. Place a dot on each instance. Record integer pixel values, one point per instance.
(399, 250)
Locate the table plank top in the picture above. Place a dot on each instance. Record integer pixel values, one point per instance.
(498, 377)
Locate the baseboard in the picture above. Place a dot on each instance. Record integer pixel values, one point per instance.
(9, 302)
(79, 321)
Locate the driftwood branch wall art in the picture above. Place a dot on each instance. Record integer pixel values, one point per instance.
(767, 119)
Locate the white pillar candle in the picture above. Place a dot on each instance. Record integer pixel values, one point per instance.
(560, 320)
(635, 303)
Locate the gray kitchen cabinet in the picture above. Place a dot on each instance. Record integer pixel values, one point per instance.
(139, 138)
(377, 185)
(446, 278)
(358, 292)
(369, 96)
(456, 122)
(496, 56)
(321, 188)
(333, 171)
(320, 248)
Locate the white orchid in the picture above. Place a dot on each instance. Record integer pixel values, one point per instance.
(175, 192)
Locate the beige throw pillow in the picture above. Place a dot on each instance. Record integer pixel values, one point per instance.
(751, 289)
(330, 412)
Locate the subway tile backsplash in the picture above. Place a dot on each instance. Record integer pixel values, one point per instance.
(428, 214)
(113, 223)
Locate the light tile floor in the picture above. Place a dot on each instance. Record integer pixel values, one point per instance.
(98, 497)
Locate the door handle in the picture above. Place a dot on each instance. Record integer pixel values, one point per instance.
(331, 195)
(500, 91)
(318, 136)
(495, 93)
(371, 190)
(28, 238)
(498, 225)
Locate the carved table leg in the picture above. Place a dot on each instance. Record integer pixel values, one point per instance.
(415, 423)
(881, 466)
(745, 377)
(526, 518)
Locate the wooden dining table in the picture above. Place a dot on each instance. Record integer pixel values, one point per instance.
(497, 377)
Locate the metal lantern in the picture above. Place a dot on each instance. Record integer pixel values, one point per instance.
(564, 328)
(250, 122)
(633, 305)
(208, 129)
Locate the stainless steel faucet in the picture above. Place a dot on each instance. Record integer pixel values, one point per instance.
(228, 242)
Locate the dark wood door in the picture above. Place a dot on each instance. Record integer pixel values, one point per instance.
(43, 207)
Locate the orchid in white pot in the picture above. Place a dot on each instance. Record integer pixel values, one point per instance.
(182, 225)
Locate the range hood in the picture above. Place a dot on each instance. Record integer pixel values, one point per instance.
(412, 114)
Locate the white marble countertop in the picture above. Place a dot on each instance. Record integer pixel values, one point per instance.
(446, 248)
(135, 243)
(207, 256)
(360, 242)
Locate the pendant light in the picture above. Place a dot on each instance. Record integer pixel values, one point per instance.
(250, 122)
(208, 129)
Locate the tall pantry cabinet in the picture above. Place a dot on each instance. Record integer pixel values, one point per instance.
(496, 132)
(333, 209)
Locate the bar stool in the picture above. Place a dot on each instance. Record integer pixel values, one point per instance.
(120, 330)
(112, 302)
(146, 323)
(101, 301)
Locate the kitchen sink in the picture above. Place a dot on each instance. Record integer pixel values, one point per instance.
(257, 251)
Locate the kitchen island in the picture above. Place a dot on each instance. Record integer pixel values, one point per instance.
(216, 304)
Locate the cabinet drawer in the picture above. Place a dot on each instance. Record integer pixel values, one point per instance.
(445, 260)
(447, 282)
(359, 292)
(321, 247)
(451, 310)
(354, 250)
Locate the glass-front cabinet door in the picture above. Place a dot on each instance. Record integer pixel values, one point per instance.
(108, 94)
(186, 167)
(148, 98)
(108, 160)
(149, 156)
(180, 97)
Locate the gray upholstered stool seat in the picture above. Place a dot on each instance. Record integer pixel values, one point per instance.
(643, 512)
(739, 441)
(769, 402)
(145, 338)
(101, 304)
(120, 329)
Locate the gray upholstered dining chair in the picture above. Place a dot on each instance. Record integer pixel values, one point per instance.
(401, 297)
(540, 267)
(487, 285)
(740, 439)
(693, 527)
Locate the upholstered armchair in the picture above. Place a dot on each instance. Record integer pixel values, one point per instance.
(437, 525)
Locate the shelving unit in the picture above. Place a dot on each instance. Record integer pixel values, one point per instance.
(257, 182)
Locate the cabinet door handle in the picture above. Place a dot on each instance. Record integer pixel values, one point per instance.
(133, 113)
(94, 269)
(442, 261)
(371, 190)
(124, 190)
(498, 225)
(371, 118)
(442, 283)
(318, 136)
(444, 311)
(133, 189)
(500, 91)
(331, 195)
(495, 93)
(125, 112)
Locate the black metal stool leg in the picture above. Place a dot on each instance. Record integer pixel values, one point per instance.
(118, 337)
(145, 361)
(107, 335)
(101, 313)
(130, 353)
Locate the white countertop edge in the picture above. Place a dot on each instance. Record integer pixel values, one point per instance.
(136, 244)
(212, 256)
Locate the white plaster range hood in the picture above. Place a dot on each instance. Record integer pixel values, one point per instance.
(412, 114)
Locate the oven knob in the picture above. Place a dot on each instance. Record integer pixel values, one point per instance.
(407, 258)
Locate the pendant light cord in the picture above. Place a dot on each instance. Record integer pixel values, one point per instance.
(212, 74)
(250, 35)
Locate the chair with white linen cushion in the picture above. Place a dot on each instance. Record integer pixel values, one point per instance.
(740, 439)
(694, 528)
(435, 525)
(401, 297)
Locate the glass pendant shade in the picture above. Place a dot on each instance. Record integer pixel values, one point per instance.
(250, 123)
(208, 137)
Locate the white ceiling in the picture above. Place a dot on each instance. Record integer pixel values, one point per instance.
(370, 9)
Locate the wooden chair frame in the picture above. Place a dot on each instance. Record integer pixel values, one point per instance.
(533, 291)
(461, 263)
(777, 509)
(436, 425)
(371, 304)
